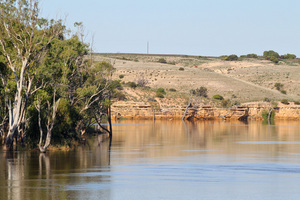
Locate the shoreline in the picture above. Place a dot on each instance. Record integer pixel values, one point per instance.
(247, 111)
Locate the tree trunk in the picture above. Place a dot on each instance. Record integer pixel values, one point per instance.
(50, 124)
(187, 108)
(109, 120)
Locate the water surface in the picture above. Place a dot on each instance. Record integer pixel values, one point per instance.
(164, 160)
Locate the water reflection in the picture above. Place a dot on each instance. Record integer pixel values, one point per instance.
(34, 175)
(143, 156)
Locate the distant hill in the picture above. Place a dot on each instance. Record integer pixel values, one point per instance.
(247, 79)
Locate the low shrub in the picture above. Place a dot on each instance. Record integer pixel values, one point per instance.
(132, 84)
(218, 97)
(142, 81)
(297, 102)
(159, 95)
(162, 60)
(181, 69)
(288, 56)
(200, 92)
(161, 90)
(252, 55)
(121, 76)
(283, 91)
(172, 90)
(119, 96)
(285, 101)
(226, 103)
(231, 57)
(274, 59)
(278, 86)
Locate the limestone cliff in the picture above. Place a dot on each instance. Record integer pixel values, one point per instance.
(141, 110)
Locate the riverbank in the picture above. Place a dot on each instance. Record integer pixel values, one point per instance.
(253, 110)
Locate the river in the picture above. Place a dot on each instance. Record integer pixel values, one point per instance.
(164, 160)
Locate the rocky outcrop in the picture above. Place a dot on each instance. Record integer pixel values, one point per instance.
(141, 110)
(282, 111)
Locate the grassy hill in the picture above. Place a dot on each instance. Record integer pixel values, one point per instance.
(247, 79)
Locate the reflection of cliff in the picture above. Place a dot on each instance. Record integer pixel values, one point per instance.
(69, 175)
(137, 140)
(140, 110)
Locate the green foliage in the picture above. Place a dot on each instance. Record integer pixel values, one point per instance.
(161, 90)
(270, 53)
(118, 95)
(162, 60)
(116, 84)
(121, 76)
(181, 69)
(172, 90)
(283, 91)
(226, 103)
(132, 85)
(274, 59)
(288, 56)
(274, 104)
(252, 55)
(200, 92)
(265, 114)
(218, 97)
(278, 86)
(285, 101)
(58, 67)
(297, 102)
(232, 57)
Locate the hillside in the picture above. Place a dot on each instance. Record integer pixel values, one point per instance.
(245, 80)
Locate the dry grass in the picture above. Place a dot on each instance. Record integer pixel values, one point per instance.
(248, 80)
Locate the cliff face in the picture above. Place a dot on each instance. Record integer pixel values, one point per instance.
(140, 110)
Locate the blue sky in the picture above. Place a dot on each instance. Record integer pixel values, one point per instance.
(192, 27)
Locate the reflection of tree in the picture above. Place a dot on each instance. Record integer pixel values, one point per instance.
(29, 175)
(43, 158)
(194, 133)
(103, 149)
(15, 173)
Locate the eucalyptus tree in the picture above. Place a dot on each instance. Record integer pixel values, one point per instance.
(24, 38)
(62, 71)
(95, 93)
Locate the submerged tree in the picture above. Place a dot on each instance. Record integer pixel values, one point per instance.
(50, 115)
